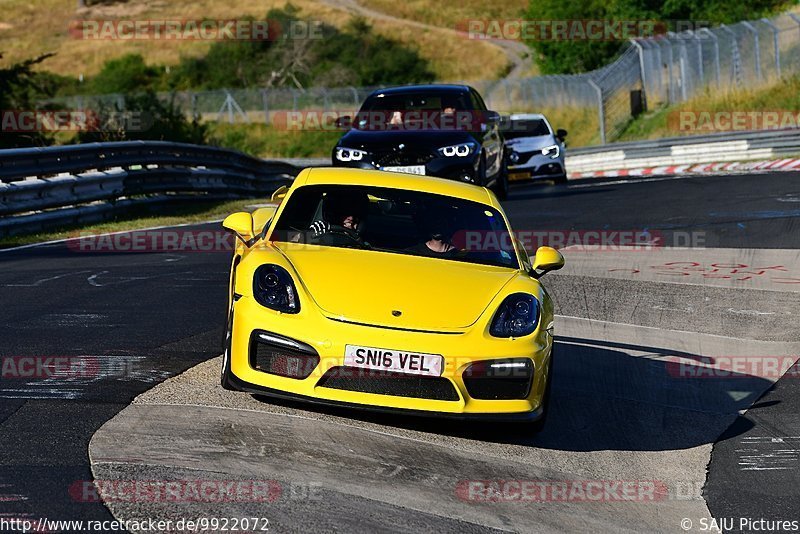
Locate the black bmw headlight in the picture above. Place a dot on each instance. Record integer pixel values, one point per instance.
(273, 288)
(349, 154)
(517, 316)
(461, 150)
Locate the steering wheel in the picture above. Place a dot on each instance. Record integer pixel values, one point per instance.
(338, 235)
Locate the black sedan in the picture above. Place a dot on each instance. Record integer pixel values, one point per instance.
(435, 130)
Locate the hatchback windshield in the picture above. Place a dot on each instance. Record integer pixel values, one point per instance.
(526, 128)
(397, 221)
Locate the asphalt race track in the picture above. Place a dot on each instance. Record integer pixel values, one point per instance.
(148, 326)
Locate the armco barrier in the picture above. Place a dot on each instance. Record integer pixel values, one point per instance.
(52, 186)
(45, 187)
(693, 149)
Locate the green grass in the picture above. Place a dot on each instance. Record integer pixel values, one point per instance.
(582, 124)
(660, 123)
(266, 141)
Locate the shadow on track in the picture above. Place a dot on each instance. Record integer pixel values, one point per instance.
(545, 190)
(606, 399)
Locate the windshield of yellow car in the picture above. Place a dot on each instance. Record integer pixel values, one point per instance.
(397, 221)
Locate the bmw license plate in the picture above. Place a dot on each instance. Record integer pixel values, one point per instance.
(400, 361)
(408, 169)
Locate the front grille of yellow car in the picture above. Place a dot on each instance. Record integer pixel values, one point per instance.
(389, 383)
(278, 355)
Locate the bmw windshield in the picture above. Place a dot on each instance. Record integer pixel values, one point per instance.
(416, 111)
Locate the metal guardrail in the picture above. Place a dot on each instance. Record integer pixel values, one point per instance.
(691, 149)
(45, 187)
(52, 186)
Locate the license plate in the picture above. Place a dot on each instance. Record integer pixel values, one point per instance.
(401, 361)
(408, 169)
(514, 176)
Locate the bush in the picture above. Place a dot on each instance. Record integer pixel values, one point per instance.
(145, 117)
(127, 74)
(371, 58)
(354, 56)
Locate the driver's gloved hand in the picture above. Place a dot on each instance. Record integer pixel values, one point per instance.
(319, 228)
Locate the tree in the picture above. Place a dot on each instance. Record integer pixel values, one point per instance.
(144, 117)
(18, 89)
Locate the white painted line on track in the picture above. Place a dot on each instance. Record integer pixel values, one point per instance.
(633, 181)
(66, 239)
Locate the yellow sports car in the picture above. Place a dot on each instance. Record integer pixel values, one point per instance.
(389, 291)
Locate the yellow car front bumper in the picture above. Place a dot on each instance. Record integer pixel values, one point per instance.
(328, 338)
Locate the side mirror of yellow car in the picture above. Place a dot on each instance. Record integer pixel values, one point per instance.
(547, 259)
(279, 194)
(241, 224)
(262, 217)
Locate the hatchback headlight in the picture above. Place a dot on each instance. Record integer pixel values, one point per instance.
(461, 150)
(274, 288)
(553, 151)
(517, 316)
(349, 154)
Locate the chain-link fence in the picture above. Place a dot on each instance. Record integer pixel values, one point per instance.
(676, 67)
(662, 70)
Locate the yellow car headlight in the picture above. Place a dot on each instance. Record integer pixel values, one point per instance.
(517, 316)
(274, 288)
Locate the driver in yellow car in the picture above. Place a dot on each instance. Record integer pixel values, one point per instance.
(320, 227)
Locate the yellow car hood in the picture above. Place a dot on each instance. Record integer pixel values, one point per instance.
(371, 287)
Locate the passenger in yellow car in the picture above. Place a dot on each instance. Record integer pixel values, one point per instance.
(436, 246)
(438, 236)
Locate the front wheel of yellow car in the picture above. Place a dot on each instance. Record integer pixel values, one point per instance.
(538, 425)
(224, 379)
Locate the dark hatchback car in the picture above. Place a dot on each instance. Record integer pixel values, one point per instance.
(434, 130)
